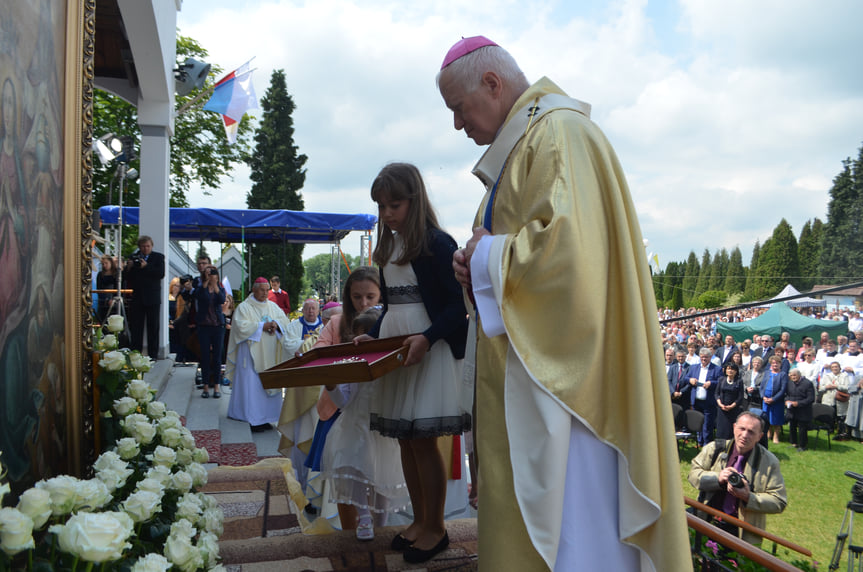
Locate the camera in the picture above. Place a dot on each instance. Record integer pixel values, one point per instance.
(213, 272)
(736, 480)
(136, 258)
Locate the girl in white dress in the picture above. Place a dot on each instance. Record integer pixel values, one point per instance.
(361, 466)
(425, 399)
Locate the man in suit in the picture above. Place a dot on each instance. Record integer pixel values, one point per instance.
(678, 385)
(767, 349)
(726, 351)
(703, 378)
(144, 271)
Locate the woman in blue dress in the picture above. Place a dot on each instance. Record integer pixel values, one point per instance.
(773, 390)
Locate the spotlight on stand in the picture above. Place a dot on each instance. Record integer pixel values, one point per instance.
(190, 75)
(109, 148)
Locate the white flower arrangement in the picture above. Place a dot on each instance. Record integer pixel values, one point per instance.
(140, 508)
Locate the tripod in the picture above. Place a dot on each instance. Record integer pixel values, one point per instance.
(846, 529)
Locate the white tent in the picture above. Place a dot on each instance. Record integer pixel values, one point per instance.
(804, 302)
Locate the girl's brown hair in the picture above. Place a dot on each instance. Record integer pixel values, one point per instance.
(403, 182)
(360, 274)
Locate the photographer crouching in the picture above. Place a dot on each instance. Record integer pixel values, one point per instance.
(740, 478)
(144, 271)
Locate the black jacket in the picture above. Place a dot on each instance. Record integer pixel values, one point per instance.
(440, 292)
(146, 282)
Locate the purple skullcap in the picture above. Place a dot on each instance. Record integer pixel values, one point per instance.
(465, 46)
(261, 280)
(329, 305)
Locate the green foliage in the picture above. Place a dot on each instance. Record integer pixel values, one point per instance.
(749, 290)
(318, 272)
(710, 299)
(199, 149)
(703, 275)
(809, 252)
(778, 264)
(842, 240)
(690, 278)
(735, 275)
(278, 175)
(202, 252)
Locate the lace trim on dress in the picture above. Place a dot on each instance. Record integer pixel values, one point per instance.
(404, 294)
(421, 428)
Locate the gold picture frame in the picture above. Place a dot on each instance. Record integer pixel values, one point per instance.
(46, 385)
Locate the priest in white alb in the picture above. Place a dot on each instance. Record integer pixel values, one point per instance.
(261, 337)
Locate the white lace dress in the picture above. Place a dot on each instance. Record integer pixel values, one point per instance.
(428, 399)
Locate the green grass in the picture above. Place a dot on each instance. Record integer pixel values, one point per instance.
(818, 492)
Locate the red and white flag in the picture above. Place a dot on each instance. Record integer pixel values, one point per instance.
(232, 97)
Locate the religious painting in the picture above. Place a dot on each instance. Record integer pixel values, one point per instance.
(41, 173)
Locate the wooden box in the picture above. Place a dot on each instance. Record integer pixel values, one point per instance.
(342, 363)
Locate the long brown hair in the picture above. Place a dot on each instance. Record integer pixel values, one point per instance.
(360, 274)
(403, 181)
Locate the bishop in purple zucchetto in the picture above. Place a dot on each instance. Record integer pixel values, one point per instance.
(465, 46)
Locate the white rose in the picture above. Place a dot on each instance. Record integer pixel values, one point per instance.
(140, 362)
(188, 438)
(125, 405)
(182, 553)
(156, 409)
(151, 563)
(36, 503)
(63, 492)
(139, 389)
(163, 456)
(181, 481)
(145, 433)
(130, 423)
(115, 323)
(16, 531)
(109, 342)
(189, 509)
(201, 455)
(209, 502)
(110, 460)
(184, 457)
(95, 536)
(198, 473)
(114, 479)
(128, 448)
(160, 474)
(142, 505)
(91, 495)
(183, 527)
(173, 415)
(168, 422)
(113, 361)
(208, 544)
(150, 484)
(213, 520)
(171, 437)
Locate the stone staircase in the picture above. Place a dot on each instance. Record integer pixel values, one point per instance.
(228, 442)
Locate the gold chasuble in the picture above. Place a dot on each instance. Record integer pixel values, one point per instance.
(574, 292)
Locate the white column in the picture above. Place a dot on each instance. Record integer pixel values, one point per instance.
(155, 169)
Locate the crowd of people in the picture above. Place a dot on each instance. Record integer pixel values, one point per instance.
(721, 377)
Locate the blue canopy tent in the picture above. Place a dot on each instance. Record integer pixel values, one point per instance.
(241, 225)
(250, 225)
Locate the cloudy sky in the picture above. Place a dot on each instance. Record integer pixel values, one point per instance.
(727, 116)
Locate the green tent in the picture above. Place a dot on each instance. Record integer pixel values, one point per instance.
(780, 318)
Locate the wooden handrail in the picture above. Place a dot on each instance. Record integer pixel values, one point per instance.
(739, 546)
(746, 526)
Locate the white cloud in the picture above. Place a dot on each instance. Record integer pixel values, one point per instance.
(726, 116)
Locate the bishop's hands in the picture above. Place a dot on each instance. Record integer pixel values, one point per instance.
(271, 327)
(461, 258)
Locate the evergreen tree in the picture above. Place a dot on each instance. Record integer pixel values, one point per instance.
(842, 240)
(752, 274)
(735, 276)
(809, 253)
(703, 274)
(669, 281)
(690, 278)
(778, 264)
(278, 174)
(202, 252)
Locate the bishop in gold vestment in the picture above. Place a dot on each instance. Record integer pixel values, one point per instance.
(578, 467)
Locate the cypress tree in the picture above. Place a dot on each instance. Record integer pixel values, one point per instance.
(735, 276)
(841, 242)
(690, 278)
(778, 264)
(278, 174)
(752, 274)
(703, 275)
(809, 253)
